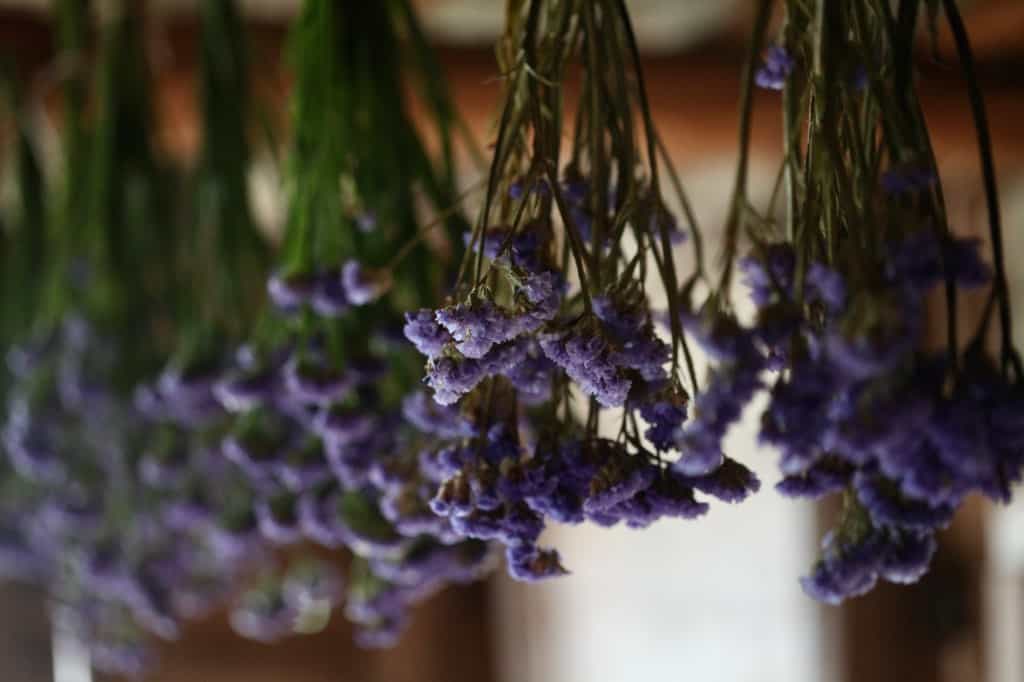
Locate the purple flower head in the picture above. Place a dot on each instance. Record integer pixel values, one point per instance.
(715, 410)
(245, 390)
(452, 378)
(258, 444)
(777, 66)
(426, 333)
(921, 260)
(345, 426)
(476, 327)
(532, 376)
(363, 286)
(845, 569)
(543, 293)
(585, 357)
(32, 449)
(771, 274)
(731, 482)
(312, 380)
(530, 563)
(619, 480)
(907, 558)
(796, 416)
(828, 286)
(303, 467)
(291, 291)
(826, 476)
(887, 509)
(664, 415)
(329, 298)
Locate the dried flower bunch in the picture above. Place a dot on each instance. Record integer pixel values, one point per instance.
(183, 417)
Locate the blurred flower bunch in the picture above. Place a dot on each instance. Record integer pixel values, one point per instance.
(190, 405)
(177, 411)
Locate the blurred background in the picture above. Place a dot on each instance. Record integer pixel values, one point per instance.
(714, 600)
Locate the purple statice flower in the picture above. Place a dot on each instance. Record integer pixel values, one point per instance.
(244, 390)
(303, 467)
(476, 327)
(645, 353)
(290, 291)
(543, 294)
(504, 357)
(310, 379)
(531, 377)
(777, 66)
(426, 333)
(731, 482)
(329, 298)
(907, 558)
(669, 496)
(846, 569)
(827, 475)
(796, 416)
(887, 509)
(31, 446)
(345, 426)
(921, 260)
(363, 286)
(828, 286)
(427, 416)
(256, 448)
(771, 274)
(616, 482)
(586, 358)
(715, 410)
(620, 319)
(451, 378)
(908, 179)
(664, 415)
(529, 563)
(315, 519)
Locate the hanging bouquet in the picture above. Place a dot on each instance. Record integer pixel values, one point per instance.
(190, 405)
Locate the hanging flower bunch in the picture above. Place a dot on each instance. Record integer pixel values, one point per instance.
(328, 420)
(549, 336)
(844, 288)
